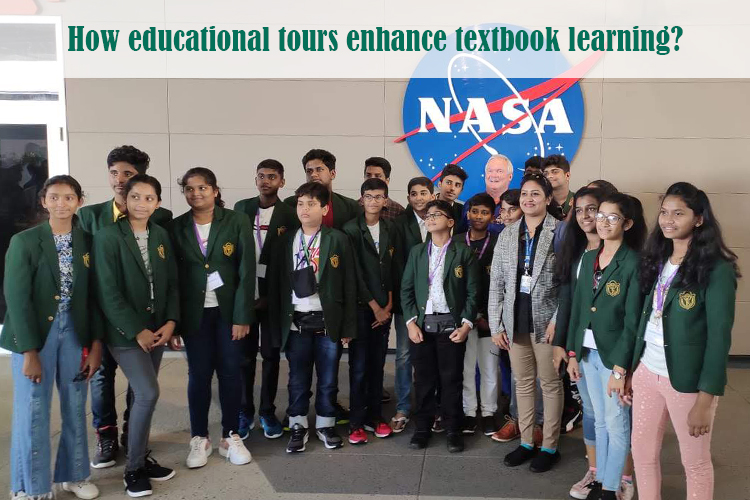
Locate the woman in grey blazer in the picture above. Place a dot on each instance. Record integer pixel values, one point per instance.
(522, 307)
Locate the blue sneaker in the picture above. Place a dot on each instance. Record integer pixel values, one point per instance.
(245, 426)
(272, 428)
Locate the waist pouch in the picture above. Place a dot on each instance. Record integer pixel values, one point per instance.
(310, 322)
(439, 323)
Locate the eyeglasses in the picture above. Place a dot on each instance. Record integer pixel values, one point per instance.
(612, 219)
(377, 197)
(434, 216)
(509, 210)
(589, 210)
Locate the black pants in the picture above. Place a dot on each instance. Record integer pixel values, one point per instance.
(438, 360)
(260, 339)
(366, 360)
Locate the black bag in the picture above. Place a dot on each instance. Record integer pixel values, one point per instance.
(304, 283)
(439, 323)
(312, 322)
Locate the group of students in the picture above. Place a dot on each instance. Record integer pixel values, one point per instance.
(549, 280)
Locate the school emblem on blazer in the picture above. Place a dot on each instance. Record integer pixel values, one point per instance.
(613, 288)
(687, 300)
(280, 230)
(335, 261)
(228, 249)
(488, 269)
(86, 259)
(160, 250)
(391, 250)
(459, 271)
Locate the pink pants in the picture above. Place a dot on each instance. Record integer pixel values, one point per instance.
(654, 399)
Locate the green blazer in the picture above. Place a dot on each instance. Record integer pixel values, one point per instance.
(460, 281)
(122, 283)
(564, 306)
(407, 237)
(336, 287)
(231, 252)
(94, 217)
(697, 332)
(344, 209)
(612, 312)
(375, 269)
(283, 219)
(484, 267)
(32, 288)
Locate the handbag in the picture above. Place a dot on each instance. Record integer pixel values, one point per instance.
(439, 323)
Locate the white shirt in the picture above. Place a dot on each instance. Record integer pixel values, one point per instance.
(311, 303)
(203, 231)
(264, 220)
(422, 227)
(436, 301)
(654, 356)
(375, 233)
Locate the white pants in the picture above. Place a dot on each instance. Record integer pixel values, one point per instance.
(484, 352)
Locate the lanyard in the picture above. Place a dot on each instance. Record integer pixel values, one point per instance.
(441, 256)
(529, 246)
(204, 248)
(661, 290)
(306, 248)
(597, 270)
(484, 247)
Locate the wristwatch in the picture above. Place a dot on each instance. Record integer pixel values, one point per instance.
(618, 375)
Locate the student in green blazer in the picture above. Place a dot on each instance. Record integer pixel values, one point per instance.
(320, 167)
(216, 259)
(312, 304)
(604, 316)
(123, 163)
(270, 219)
(683, 339)
(138, 293)
(47, 327)
(451, 185)
(410, 230)
(439, 296)
(372, 238)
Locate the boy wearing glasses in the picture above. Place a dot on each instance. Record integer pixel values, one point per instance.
(439, 296)
(557, 171)
(373, 243)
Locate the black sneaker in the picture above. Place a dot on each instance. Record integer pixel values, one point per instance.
(137, 483)
(420, 440)
(469, 425)
(342, 414)
(106, 448)
(455, 442)
(386, 397)
(595, 491)
(609, 495)
(330, 437)
(519, 456)
(571, 418)
(489, 425)
(297, 440)
(155, 471)
(544, 461)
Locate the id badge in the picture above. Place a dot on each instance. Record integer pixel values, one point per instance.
(260, 271)
(428, 307)
(214, 281)
(525, 284)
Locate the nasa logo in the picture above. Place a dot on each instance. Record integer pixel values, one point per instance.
(477, 111)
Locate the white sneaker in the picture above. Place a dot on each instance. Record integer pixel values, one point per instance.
(581, 489)
(235, 450)
(18, 495)
(200, 449)
(82, 489)
(626, 492)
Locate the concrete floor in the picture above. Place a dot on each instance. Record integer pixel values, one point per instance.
(383, 468)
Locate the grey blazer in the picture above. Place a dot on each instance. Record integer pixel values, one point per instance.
(503, 279)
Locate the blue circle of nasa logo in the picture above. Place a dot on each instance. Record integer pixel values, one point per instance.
(476, 111)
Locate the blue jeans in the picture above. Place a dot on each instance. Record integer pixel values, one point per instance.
(305, 350)
(103, 410)
(538, 405)
(403, 366)
(211, 349)
(589, 421)
(366, 361)
(612, 422)
(30, 441)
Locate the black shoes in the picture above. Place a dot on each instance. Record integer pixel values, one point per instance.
(595, 491)
(419, 440)
(330, 438)
(342, 414)
(156, 472)
(106, 448)
(544, 460)
(297, 440)
(469, 425)
(489, 425)
(519, 456)
(455, 442)
(137, 483)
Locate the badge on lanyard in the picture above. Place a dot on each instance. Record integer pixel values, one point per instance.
(526, 277)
